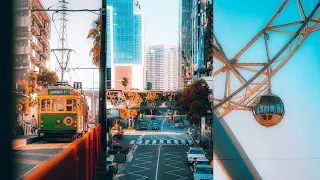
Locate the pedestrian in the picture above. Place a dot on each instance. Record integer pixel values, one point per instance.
(34, 125)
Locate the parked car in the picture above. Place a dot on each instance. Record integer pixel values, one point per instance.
(203, 171)
(111, 164)
(195, 153)
(155, 126)
(153, 118)
(143, 126)
(200, 161)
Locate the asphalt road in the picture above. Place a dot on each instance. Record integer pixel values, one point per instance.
(158, 162)
(31, 156)
(161, 154)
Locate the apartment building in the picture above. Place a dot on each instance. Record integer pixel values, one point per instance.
(162, 67)
(32, 47)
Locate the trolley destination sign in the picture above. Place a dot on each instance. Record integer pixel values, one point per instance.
(58, 91)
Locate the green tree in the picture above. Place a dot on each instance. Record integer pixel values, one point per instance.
(95, 35)
(194, 101)
(47, 78)
(125, 82)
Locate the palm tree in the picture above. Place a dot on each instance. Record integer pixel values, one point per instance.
(95, 34)
(125, 82)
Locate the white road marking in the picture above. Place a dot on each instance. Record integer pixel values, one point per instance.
(158, 163)
(132, 141)
(190, 142)
(146, 142)
(175, 142)
(183, 142)
(161, 141)
(139, 142)
(154, 141)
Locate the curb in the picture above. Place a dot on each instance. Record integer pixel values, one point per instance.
(23, 142)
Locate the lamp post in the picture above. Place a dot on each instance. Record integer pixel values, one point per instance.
(101, 172)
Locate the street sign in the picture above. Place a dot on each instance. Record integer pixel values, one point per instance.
(77, 85)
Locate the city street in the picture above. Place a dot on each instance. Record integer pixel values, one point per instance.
(161, 154)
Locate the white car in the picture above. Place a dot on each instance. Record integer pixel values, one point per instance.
(200, 161)
(195, 153)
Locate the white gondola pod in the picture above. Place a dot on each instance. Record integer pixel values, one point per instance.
(268, 110)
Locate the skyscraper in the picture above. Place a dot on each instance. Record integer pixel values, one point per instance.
(126, 26)
(162, 67)
(195, 38)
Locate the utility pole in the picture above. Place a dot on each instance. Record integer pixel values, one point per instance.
(102, 173)
(63, 51)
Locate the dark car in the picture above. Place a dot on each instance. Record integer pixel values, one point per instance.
(143, 126)
(153, 118)
(155, 126)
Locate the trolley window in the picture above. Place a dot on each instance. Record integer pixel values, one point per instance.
(58, 104)
(45, 104)
(71, 104)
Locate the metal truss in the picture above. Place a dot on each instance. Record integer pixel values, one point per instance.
(242, 98)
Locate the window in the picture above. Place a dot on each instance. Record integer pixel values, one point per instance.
(58, 104)
(71, 104)
(45, 104)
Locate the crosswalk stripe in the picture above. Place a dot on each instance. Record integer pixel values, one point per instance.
(162, 142)
(132, 141)
(146, 142)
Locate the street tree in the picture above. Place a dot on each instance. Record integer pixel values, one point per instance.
(95, 35)
(47, 78)
(28, 87)
(125, 82)
(194, 101)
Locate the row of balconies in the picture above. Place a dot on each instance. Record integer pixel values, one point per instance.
(35, 43)
(43, 25)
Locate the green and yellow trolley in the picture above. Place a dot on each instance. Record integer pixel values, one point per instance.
(63, 112)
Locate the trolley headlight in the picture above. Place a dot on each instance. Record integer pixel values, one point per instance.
(68, 121)
(58, 121)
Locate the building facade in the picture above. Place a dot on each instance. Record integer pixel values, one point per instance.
(195, 40)
(126, 26)
(162, 67)
(32, 48)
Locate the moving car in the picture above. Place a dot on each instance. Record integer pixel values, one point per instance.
(203, 171)
(200, 161)
(143, 126)
(111, 164)
(195, 153)
(153, 118)
(155, 126)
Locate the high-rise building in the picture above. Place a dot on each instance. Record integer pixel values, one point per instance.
(195, 40)
(32, 48)
(162, 67)
(126, 38)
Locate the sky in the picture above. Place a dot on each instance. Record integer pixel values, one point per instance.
(289, 150)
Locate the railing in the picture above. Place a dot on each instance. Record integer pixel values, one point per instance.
(78, 161)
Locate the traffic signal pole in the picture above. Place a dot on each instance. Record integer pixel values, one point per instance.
(102, 173)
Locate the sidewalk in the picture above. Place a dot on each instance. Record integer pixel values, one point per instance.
(24, 140)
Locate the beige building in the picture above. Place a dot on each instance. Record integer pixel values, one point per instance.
(162, 67)
(32, 48)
